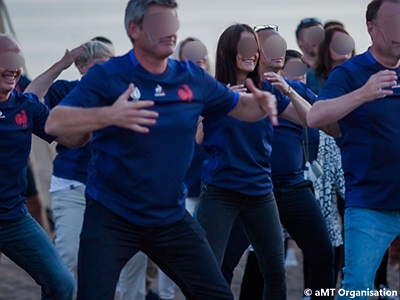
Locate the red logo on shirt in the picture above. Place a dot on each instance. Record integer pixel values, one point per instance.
(21, 119)
(185, 93)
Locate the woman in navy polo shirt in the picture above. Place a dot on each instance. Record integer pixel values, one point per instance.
(237, 175)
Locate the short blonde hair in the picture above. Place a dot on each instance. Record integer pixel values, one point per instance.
(94, 49)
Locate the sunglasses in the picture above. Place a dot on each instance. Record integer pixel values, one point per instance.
(257, 28)
(310, 20)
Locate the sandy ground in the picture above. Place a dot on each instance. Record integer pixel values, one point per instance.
(15, 284)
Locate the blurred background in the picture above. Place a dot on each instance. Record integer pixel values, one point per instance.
(46, 28)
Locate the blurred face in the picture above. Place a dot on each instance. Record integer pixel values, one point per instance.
(305, 46)
(382, 33)
(149, 42)
(83, 69)
(297, 78)
(268, 64)
(202, 63)
(335, 56)
(247, 64)
(10, 66)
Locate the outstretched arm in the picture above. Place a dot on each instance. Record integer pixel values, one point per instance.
(66, 121)
(298, 108)
(41, 84)
(255, 106)
(76, 141)
(330, 111)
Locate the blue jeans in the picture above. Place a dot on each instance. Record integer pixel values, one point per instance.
(368, 234)
(28, 245)
(180, 249)
(217, 212)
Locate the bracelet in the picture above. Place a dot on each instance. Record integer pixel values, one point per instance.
(289, 91)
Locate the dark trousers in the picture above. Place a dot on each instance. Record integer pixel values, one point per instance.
(180, 249)
(217, 211)
(301, 215)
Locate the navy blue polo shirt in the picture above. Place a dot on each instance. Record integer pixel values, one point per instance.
(20, 116)
(140, 176)
(193, 176)
(70, 163)
(370, 143)
(239, 152)
(287, 158)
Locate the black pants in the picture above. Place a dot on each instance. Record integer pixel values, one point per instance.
(301, 215)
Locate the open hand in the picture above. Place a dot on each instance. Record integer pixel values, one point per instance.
(238, 88)
(70, 56)
(277, 81)
(376, 85)
(266, 101)
(131, 114)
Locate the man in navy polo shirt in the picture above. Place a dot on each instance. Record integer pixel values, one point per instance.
(362, 96)
(21, 237)
(141, 152)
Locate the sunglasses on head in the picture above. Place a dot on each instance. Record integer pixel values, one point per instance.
(310, 20)
(257, 28)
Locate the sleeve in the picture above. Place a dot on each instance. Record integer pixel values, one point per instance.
(219, 100)
(40, 115)
(338, 84)
(307, 94)
(283, 100)
(57, 91)
(92, 91)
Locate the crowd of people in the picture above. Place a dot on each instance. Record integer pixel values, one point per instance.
(159, 161)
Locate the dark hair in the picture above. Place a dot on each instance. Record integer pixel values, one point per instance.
(182, 45)
(329, 24)
(307, 23)
(324, 61)
(136, 10)
(102, 39)
(290, 53)
(225, 66)
(373, 8)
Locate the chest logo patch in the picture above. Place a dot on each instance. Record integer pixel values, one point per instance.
(21, 119)
(185, 93)
(159, 92)
(2, 116)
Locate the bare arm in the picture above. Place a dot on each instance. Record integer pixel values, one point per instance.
(65, 121)
(41, 84)
(298, 108)
(74, 141)
(330, 111)
(255, 106)
(199, 134)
